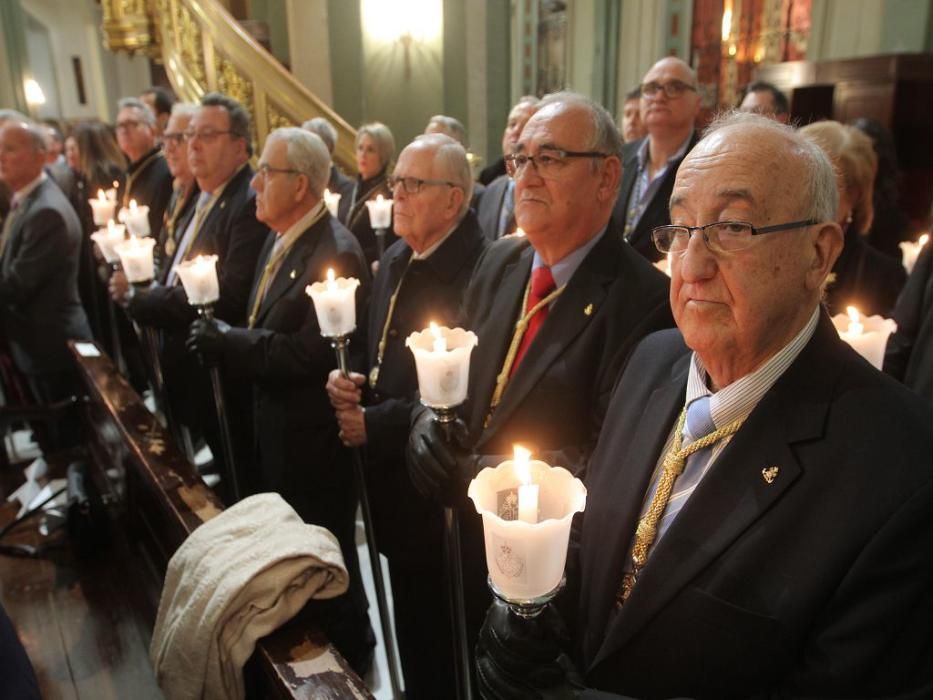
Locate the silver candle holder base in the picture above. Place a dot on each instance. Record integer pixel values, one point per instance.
(527, 608)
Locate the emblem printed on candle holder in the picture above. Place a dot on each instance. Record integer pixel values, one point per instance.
(510, 558)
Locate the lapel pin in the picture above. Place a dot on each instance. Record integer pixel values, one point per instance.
(223, 204)
(293, 274)
(769, 474)
(588, 310)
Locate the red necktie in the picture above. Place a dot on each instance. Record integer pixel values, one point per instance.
(542, 284)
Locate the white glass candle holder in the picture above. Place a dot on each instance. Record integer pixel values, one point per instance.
(526, 559)
(103, 206)
(380, 212)
(335, 304)
(868, 336)
(199, 278)
(332, 201)
(442, 360)
(910, 251)
(136, 219)
(136, 259)
(106, 240)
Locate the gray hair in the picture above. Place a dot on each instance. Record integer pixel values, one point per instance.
(605, 136)
(819, 188)
(35, 132)
(382, 136)
(140, 106)
(239, 117)
(451, 162)
(449, 125)
(11, 115)
(184, 109)
(324, 129)
(306, 153)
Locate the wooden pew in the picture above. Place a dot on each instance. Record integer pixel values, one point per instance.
(164, 499)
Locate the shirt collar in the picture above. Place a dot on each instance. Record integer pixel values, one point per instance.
(20, 195)
(739, 399)
(297, 228)
(564, 268)
(680, 153)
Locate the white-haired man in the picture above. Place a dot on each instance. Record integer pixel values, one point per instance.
(282, 354)
(337, 182)
(760, 512)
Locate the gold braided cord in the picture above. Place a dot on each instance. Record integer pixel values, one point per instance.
(673, 466)
(384, 339)
(520, 327)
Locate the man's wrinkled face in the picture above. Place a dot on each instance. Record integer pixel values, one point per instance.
(662, 112)
(278, 193)
(213, 152)
(20, 161)
(739, 303)
(430, 212)
(518, 117)
(134, 136)
(174, 147)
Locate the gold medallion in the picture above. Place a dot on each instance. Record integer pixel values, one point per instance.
(769, 474)
(170, 247)
(373, 377)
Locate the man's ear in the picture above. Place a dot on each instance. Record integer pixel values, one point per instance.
(611, 173)
(826, 247)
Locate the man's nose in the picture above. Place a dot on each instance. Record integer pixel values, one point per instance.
(696, 262)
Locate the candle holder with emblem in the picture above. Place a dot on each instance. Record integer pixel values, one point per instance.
(527, 507)
(199, 278)
(335, 305)
(380, 218)
(442, 361)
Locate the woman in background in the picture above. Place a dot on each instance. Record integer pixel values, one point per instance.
(375, 151)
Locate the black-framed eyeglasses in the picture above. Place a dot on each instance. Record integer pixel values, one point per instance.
(720, 236)
(672, 88)
(127, 124)
(548, 163)
(265, 170)
(413, 185)
(175, 139)
(206, 135)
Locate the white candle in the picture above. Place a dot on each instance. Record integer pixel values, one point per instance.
(199, 278)
(136, 219)
(911, 251)
(107, 238)
(136, 258)
(442, 360)
(867, 336)
(335, 304)
(527, 491)
(332, 200)
(526, 559)
(103, 207)
(380, 212)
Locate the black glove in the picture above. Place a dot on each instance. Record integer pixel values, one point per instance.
(207, 336)
(440, 467)
(518, 658)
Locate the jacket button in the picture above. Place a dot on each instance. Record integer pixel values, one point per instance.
(393, 333)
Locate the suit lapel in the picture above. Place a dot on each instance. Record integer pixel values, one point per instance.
(734, 494)
(19, 218)
(292, 267)
(262, 260)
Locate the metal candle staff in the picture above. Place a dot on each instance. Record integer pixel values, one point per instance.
(442, 359)
(335, 306)
(199, 278)
(380, 217)
(106, 240)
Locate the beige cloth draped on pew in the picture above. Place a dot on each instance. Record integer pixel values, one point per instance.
(237, 577)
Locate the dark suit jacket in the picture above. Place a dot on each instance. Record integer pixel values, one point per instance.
(340, 184)
(287, 361)
(815, 585)
(432, 291)
(152, 186)
(39, 299)
(355, 214)
(909, 355)
(657, 213)
(558, 395)
(490, 206)
(865, 277)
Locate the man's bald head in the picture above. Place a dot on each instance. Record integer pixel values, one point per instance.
(22, 153)
(670, 102)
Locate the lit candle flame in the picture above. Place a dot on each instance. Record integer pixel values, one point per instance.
(379, 198)
(116, 185)
(101, 197)
(133, 205)
(923, 240)
(521, 458)
(519, 232)
(331, 282)
(327, 194)
(855, 328)
(440, 342)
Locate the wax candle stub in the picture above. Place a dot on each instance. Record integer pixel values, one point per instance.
(103, 207)
(868, 336)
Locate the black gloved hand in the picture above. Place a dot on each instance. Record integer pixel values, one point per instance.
(518, 658)
(207, 336)
(440, 468)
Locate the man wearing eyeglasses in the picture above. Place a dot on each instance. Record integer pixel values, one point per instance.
(280, 354)
(556, 313)
(148, 180)
(759, 519)
(422, 278)
(223, 223)
(669, 106)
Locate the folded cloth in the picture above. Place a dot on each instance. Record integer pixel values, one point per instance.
(237, 577)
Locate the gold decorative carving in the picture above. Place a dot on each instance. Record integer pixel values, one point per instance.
(126, 25)
(276, 119)
(189, 43)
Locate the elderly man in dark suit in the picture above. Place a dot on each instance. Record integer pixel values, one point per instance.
(222, 222)
(669, 106)
(556, 313)
(280, 352)
(421, 279)
(39, 245)
(760, 511)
